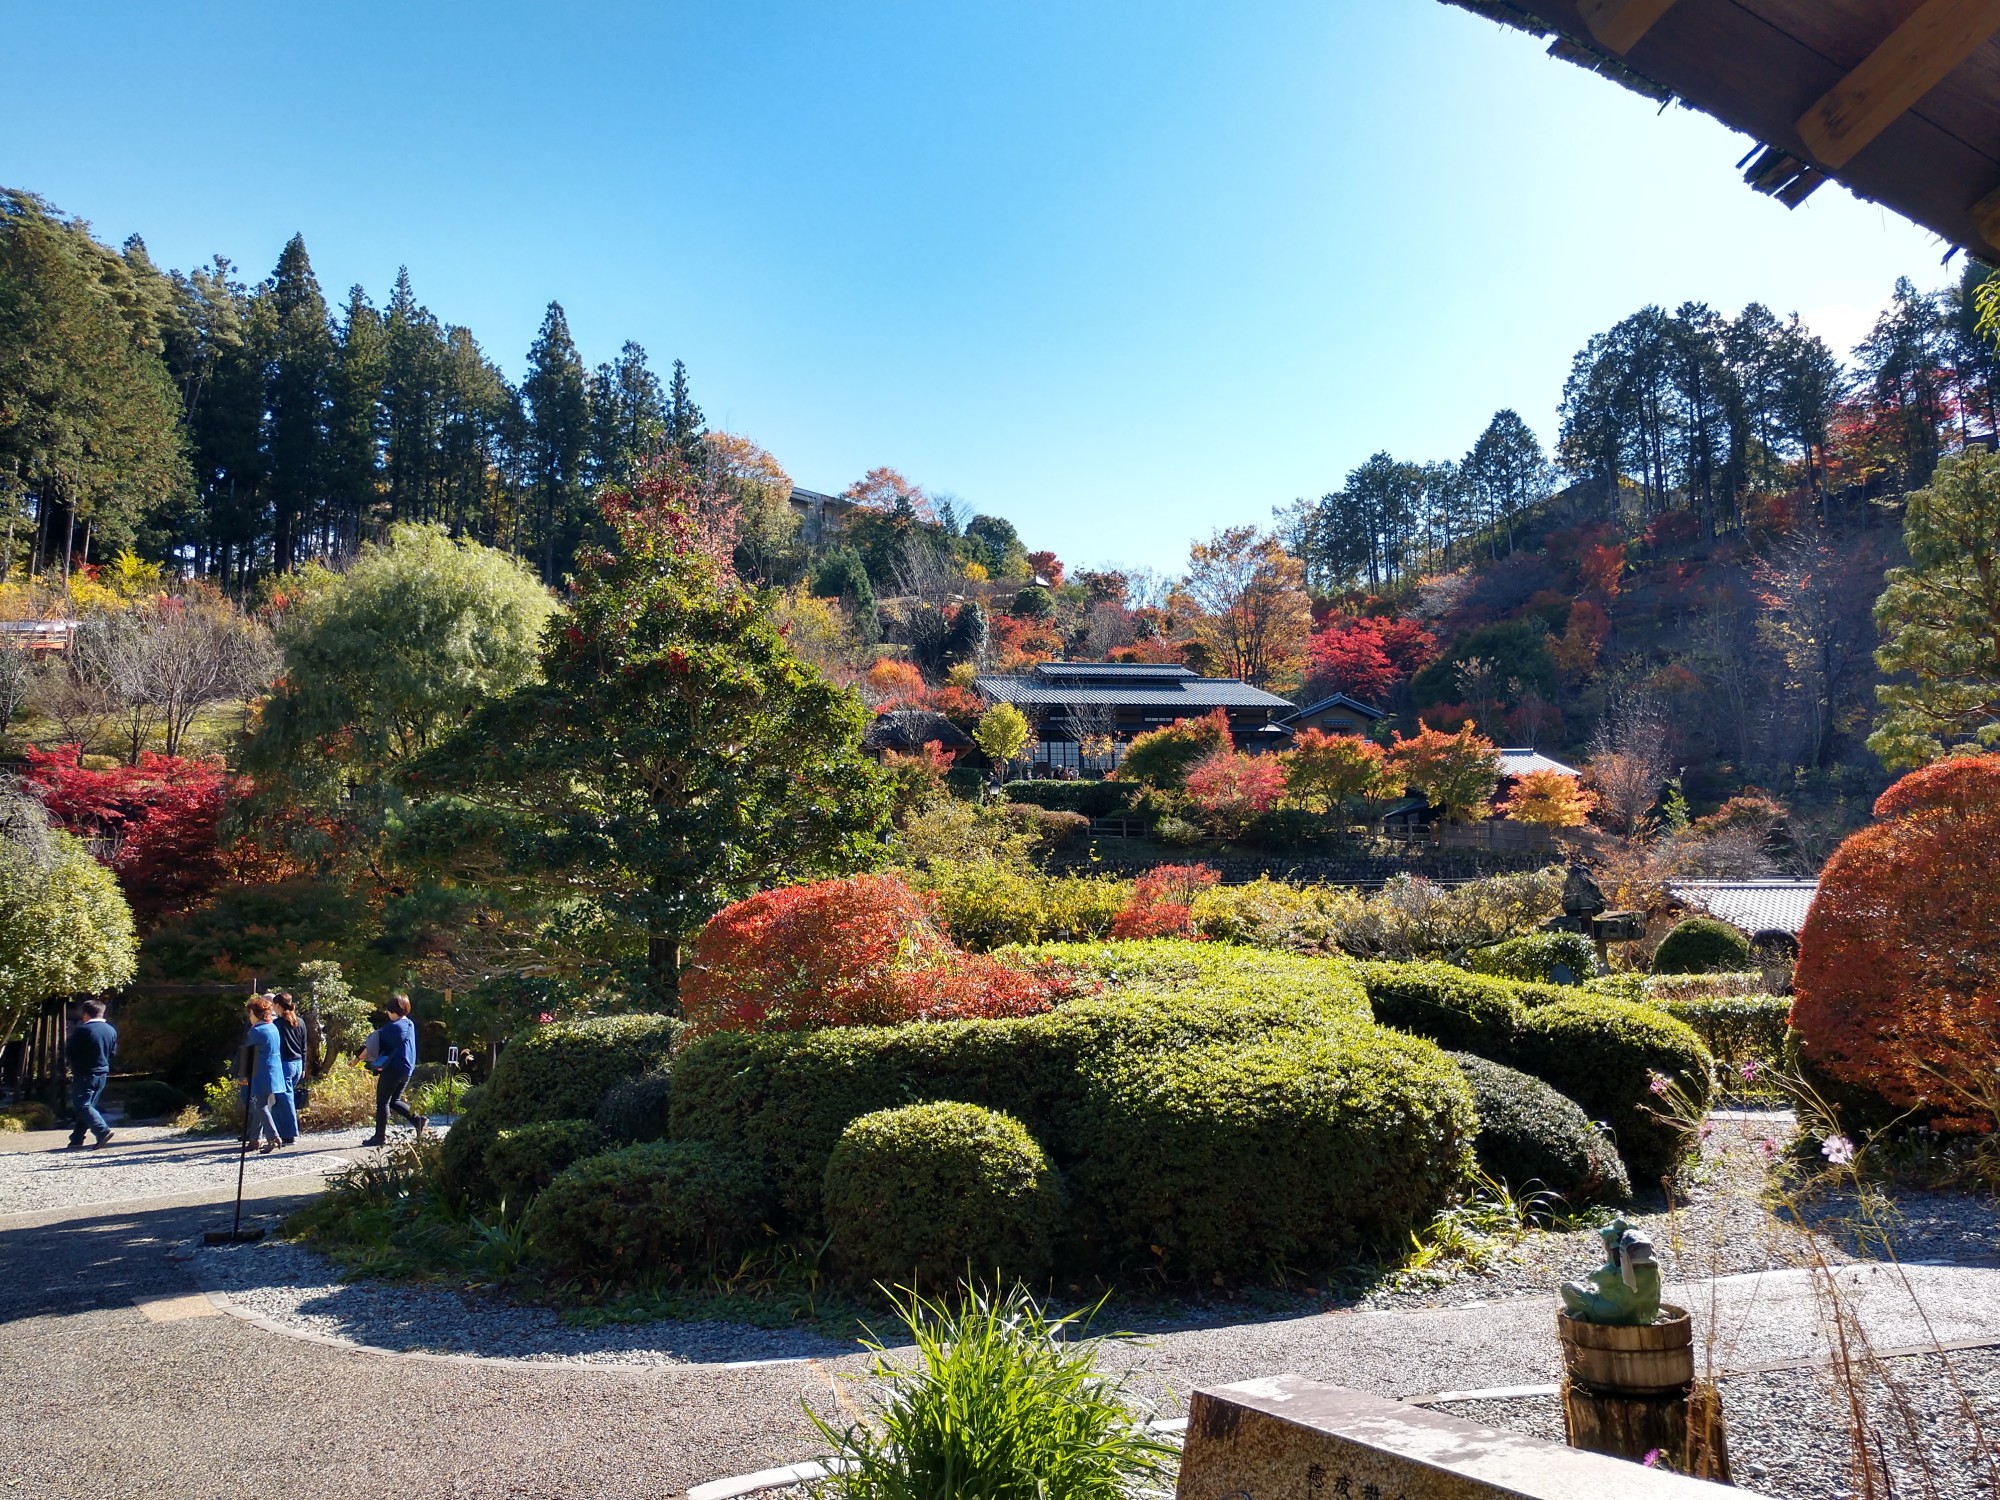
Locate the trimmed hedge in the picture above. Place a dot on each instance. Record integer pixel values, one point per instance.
(562, 1070)
(930, 1194)
(1094, 799)
(1603, 1054)
(1599, 1052)
(462, 1156)
(1737, 1029)
(1701, 945)
(1460, 1011)
(1534, 955)
(1329, 988)
(636, 1110)
(663, 1206)
(524, 1159)
(1231, 1125)
(1531, 1136)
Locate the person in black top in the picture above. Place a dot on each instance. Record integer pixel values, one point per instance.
(89, 1052)
(292, 1048)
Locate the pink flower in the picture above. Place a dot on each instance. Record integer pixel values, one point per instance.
(544, 1018)
(1837, 1149)
(1652, 1458)
(1659, 1085)
(1767, 1148)
(1750, 1070)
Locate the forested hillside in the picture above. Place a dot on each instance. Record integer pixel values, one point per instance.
(1685, 576)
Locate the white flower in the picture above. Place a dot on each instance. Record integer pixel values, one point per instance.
(1837, 1149)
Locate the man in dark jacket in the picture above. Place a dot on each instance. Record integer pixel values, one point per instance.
(91, 1047)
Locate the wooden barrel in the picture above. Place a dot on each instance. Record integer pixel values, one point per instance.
(1657, 1360)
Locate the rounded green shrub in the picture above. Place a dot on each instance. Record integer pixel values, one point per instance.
(928, 1194)
(1701, 945)
(1530, 1137)
(524, 1159)
(1604, 1054)
(636, 1110)
(662, 1206)
(1533, 957)
(1294, 1149)
(1737, 1029)
(562, 1070)
(1463, 1012)
(462, 1155)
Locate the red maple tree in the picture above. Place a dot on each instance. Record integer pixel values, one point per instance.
(1898, 981)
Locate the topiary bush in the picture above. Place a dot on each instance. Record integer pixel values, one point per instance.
(1460, 1011)
(1531, 1136)
(1604, 1054)
(1534, 956)
(560, 1071)
(462, 1156)
(986, 904)
(1701, 945)
(1094, 799)
(636, 1110)
(928, 1194)
(524, 1159)
(1174, 1103)
(661, 1207)
(1738, 1030)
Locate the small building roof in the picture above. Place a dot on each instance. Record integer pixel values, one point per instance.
(1341, 700)
(1058, 684)
(908, 730)
(1522, 762)
(1753, 905)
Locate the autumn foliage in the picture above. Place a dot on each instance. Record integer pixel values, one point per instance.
(1366, 657)
(1162, 902)
(1898, 982)
(157, 822)
(864, 951)
(1456, 773)
(1229, 788)
(1335, 771)
(1549, 798)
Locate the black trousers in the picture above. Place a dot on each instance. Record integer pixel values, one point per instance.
(389, 1096)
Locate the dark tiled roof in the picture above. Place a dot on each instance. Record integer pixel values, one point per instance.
(1753, 905)
(1341, 700)
(909, 730)
(1188, 695)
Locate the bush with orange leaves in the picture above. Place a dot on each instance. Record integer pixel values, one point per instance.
(1162, 903)
(1898, 982)
(1553, 799)
(864, 951)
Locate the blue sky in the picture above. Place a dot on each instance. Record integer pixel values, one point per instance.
(1122, 273)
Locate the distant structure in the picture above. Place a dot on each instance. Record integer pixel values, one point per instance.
(1337, 714)
(821, 517)
(1764, 909)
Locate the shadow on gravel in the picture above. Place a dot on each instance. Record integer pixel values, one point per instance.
(1920, 1228)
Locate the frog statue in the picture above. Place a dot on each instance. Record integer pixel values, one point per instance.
(1625, 1290)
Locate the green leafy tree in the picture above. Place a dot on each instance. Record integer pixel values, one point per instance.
(1940, 618)
(1000, 734)
(64, 926)
(382, 661)
(1456, 773)
(676, 754)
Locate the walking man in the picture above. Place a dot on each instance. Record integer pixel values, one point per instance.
(394, 1046)
(89, 1051)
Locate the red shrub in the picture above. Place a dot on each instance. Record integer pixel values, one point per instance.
(1162, 902)
(1898, 983)
(1229, 788)
(865, 951)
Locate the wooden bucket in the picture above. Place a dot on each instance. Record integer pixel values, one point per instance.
(1657, 1360)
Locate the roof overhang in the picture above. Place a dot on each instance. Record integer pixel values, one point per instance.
(1896, 100)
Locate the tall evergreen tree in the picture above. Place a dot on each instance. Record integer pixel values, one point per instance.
(297, 339)
(355, 423)
(558, 439)
(629, 417)
(413, 372)
(685, 424)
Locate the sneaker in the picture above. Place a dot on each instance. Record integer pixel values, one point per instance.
(374, 1140)
(267, 1148)
(74, 1146)
(105, 1139)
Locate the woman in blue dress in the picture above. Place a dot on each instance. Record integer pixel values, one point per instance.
(263, 1075)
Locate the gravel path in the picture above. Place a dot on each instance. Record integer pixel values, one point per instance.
(302, 1291)
(152, 1161)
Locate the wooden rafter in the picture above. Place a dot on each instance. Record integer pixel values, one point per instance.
(1985, 216)
(1910, 62)
(1618, 24)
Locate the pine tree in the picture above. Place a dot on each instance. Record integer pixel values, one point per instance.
(412, 373)
(355, 422)
(297, 340)
(558, 438)
(685, 424)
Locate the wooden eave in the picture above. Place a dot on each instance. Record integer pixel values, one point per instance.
(1764, 67)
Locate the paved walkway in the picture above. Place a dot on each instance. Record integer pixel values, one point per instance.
(120, 1380)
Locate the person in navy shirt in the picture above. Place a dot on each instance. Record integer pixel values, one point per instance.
(89, 1052)
(392, 1051)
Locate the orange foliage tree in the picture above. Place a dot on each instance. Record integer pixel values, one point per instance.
(1456, 773)
(863, 951)
(1334, 772)
(1898, 982)
(1549, 798)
